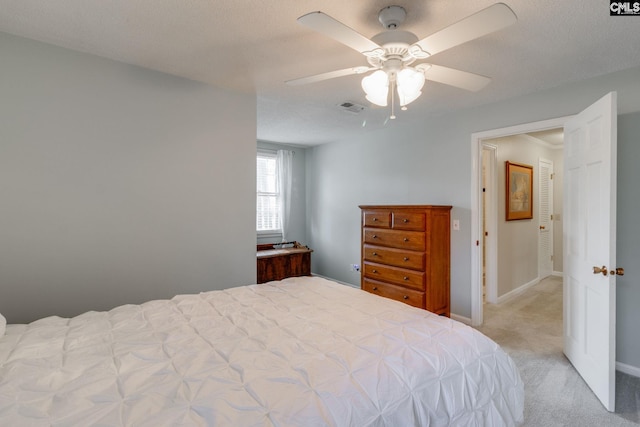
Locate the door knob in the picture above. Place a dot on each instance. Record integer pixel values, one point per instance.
(542, 227)
(602, 270)
(619, 271)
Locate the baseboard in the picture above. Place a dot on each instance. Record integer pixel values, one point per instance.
(514, 293)
(557, 274)
(461, 319)
(628, 369)
(336, 280)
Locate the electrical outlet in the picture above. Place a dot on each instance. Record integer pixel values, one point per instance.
(355, 267)
(456, 224)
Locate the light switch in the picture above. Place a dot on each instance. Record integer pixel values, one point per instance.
(456, 224)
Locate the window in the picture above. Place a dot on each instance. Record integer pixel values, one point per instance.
(268, 193)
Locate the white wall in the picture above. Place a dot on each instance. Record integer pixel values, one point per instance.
(430, 162)
(118, 184)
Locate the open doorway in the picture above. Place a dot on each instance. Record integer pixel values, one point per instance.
(589, 200)
(488, 205)
(526, 247)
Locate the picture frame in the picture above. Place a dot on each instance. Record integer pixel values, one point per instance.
(519, 191)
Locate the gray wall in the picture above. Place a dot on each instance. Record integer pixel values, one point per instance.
(298, 196)
(628, 239)
(118, 184)
(430, 162)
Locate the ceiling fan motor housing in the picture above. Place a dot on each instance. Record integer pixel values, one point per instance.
(395, 44)
(392, 16)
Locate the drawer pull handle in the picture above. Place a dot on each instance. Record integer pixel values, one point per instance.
(405, 297)
(375, 288)
(405, 220)
(375, 219)
(374, 271)
(405, 278)
(374, 254)
(406, 239)
(375, 237)
(405, 258)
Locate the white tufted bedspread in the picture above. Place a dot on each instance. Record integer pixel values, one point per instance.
(301, 352)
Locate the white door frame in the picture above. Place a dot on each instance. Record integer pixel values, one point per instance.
(476, 203)
(491, 223)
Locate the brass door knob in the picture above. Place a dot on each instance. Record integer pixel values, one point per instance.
(602, 270)
(619, 271)
(542, 227)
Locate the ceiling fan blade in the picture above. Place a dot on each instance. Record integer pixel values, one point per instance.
(330, 27)
(486, 21)
(330, 75)
(457, 78)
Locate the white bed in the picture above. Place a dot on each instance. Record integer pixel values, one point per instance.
(300, 352)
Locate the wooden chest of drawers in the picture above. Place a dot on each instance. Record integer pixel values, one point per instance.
(278, 264)
(406, 254)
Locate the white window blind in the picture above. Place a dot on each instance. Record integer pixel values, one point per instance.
(268, 193)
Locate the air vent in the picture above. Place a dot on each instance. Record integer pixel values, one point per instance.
(351, 107)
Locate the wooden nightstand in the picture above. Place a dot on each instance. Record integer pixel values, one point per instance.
(280, 263)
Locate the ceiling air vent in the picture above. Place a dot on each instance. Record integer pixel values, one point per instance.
(351, 107)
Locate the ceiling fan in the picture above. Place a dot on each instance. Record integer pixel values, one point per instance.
(393, 52)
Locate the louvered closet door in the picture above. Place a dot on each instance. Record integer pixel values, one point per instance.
(545, 240)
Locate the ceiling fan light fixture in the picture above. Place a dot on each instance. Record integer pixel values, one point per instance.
(394, 52)
(376, 86)
(407, 99)
(410, 82)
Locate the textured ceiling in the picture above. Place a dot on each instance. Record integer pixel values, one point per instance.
(255, 45)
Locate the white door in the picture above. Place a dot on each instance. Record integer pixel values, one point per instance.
(545, 223)
(589, 246)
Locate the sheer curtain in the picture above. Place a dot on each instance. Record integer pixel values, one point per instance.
(285, 170)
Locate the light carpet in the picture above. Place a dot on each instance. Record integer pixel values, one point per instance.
(529, 328)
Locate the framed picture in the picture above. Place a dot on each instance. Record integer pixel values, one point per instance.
(519, 200)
